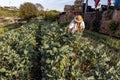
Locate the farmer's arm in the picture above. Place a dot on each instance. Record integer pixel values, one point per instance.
(68, 29)
(71, 25)
(82, 25)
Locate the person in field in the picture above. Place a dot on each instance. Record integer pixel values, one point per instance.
(77, 24)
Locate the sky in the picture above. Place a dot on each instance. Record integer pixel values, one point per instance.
(47, 4)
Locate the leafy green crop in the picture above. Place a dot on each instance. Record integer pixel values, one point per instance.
(53, 54)
(73, 57)
(113, 25)
(16, 52)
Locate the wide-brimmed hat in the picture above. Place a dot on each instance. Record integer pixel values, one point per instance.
(78, 19)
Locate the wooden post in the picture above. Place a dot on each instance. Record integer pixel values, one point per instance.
(85, 8)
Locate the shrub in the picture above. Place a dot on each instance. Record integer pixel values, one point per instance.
(3, 30)
(113, 25)
(9, 13)
(65, 24)
(28, 11)
(51, 15)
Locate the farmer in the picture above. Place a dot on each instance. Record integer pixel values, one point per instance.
(77, 24)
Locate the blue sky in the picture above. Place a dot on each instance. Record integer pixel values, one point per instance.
(47, 4)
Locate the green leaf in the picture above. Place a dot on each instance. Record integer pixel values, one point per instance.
(49, 75)
(48, 61)
(2, 70)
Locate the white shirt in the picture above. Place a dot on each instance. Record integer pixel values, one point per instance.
(74, 25)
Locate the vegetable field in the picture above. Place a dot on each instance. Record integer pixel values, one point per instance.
(46, 51)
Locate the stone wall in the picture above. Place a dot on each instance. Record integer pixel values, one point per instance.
(71, 11)
(116, 15)
(78, 7)
(62, 17)
(89, 18)
(105, 24)
(92, 17)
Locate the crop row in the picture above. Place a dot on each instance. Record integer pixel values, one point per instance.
(44, 50)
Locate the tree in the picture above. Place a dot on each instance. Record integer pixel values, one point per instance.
(28, 11)
(51, 15)
(39, 6)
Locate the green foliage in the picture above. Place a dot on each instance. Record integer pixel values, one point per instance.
(113, 25)
(16, 52)
(8, 13)
(41, 13)
(28, 11)
(62, 56)
(51, 15)
(111, 42)
(73, 57)
(3, 30)
(64, 24)
(12, 65)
